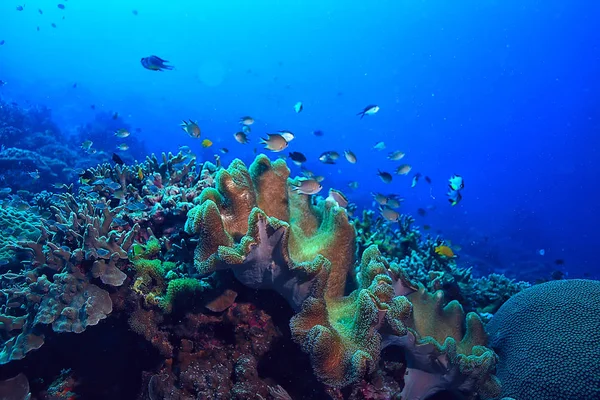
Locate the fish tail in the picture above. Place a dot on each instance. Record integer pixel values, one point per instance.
(362, 114)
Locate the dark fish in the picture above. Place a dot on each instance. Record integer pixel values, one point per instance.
(134, 12)
(318, 133)
(297, 158)
(75, 85)
(428, 180)
(557, 275)
(415, 179)
(386, 177)
(40, 11)
(329, 157)
(559, 261)
(422, 212)
(115, 115)
(2, 42)
(155, 63)
(53, 25)
(61, 6)
(117, 159)
(369, 110)
(93, 106)
(19, 8)
(454, 197)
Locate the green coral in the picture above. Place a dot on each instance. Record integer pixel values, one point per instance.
(180, 290)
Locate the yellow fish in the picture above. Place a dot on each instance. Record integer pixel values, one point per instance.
(140, 173)
(444, 251)
(206, 143)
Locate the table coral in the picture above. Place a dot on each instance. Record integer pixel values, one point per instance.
(547, 339)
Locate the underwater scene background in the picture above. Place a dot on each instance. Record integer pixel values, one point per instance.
(417, 180)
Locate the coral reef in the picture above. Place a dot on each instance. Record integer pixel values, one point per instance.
(547, 339)
(418, 256)
(178, 252)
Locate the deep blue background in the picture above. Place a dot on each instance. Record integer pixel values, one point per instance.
(504, 93)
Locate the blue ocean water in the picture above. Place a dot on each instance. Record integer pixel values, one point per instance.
(504, 93)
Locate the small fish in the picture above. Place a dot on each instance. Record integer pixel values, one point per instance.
(389, 214)
(40, 11)
(275, 142)
(426, 227)
(307, 173)
(456, 182)
(100, 206)
(298, 107)
(297, 158)
(246, 129)
(119, 222)
(329, 157)
(422, 212)
(394, 202)
(287, 135)
(102, 252)
(415, 179)
(20, 8)
(379, 146)
(454, 197)
(117, 159)
(428, 179)
(445, 251)
(155, 63)
(123, 147)
(2, 42)
(34, 174)
(241, 137)
(134, 12)
(318, 133)
(122, 133)
(115, 116)
(559, 261)
(61, 6)
(350, 157)
(2, 83)
(114, 186)
(206, 143)
(404, 169)
(379, 198)
(353, 185)
(74, 86)
(307, 186)
(224, 150)
(338, 197)
(140, 173)
(87, 145)
(53, 25)
(91, 151)
(369, 110)
(396, 155)
(191, 128)
(386, 177)
(246, 121)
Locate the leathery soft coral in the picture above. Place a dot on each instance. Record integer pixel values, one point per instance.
(272, 238)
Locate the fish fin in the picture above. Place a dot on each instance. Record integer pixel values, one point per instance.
(362, 114)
